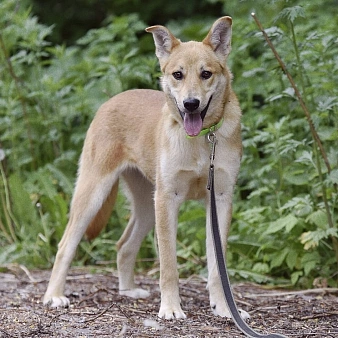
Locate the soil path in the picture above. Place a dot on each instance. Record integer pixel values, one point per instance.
(98, 311)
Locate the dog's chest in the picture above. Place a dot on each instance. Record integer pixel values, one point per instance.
(185, 173)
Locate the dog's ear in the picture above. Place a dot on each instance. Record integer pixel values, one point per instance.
(219, 37)
(164, 41)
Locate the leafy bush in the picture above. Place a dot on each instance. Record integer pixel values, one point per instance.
(285, 212)
(48, 97)
(287, 215)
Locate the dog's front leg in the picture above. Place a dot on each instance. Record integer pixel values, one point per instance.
(224, 207)
(166, 209)
(224, 211)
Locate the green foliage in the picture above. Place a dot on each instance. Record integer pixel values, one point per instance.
(48, 95)
(294, 233)
(285, 212)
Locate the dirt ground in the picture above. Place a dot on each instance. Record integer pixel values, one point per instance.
(97, 310)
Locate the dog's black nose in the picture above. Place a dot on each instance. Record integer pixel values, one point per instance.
(191, 104)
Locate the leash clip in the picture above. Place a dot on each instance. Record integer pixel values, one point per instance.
(213, 141)
(211, 137)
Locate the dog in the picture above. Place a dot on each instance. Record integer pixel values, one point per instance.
(151, 139)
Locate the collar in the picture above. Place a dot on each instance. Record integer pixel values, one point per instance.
(205, 131)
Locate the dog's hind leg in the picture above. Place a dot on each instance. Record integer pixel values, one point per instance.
(91, 192)
(102, 217)
(140, 193)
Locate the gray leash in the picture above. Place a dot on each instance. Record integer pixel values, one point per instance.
(222, 270)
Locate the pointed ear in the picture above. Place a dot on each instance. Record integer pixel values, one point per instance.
(164, 41)
(219, 37)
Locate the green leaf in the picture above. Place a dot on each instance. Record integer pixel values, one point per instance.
(295, 276)
(309, 261)
(306, 158)
(64, 181)
(291, 13)
(328, 134)
(318, 218)
(299, 206)
(254, 215)
(278, 258)
(311, 239)
(259, 192)
(261, 268)
(7, 254)
(23, 207)
(327, 103)
(291, 259)
(257, 277)
(333, 176)
(287, 223)
(298, 177)
(47, 184)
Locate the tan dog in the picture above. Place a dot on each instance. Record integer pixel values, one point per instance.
(141, 136)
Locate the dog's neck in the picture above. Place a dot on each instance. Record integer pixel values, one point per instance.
(212, 128)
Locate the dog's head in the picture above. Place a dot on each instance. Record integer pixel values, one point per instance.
(195, 76)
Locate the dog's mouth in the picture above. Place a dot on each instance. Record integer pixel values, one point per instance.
(193, 121)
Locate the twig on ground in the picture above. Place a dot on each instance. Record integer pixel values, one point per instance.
(107, 309)
(29, 275)
(101, 313)
(290, 293)
(319, 315)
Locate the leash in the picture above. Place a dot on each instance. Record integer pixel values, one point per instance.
(222, 270)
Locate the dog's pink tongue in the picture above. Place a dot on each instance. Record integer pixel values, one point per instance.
(193, 124)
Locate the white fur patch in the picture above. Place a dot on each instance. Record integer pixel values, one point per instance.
(57, 302)
(171, 313)
(135, 293)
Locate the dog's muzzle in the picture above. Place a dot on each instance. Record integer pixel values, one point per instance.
(192, 119)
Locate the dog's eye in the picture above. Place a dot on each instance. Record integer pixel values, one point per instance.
(206, 75)
(178, 75)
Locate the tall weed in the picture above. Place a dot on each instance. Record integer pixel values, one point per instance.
(48, 95)
(283, 169)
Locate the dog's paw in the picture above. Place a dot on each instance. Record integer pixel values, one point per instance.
(56, 302)
(244, 314)
(135, 293)
(223, 311)
(220, 309)
(171, 312)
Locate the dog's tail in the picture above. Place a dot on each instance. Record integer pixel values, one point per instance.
(101, 218)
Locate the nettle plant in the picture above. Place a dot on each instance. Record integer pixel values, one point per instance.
(48, 96)
(286, 221)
